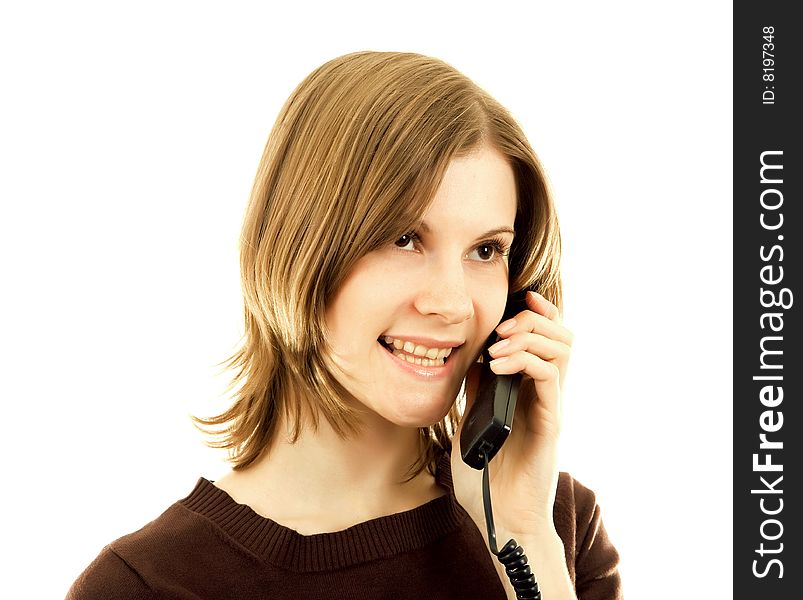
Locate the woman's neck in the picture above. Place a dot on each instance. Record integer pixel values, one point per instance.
(323, 483)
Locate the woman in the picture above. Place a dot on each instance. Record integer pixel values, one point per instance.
(395, 208)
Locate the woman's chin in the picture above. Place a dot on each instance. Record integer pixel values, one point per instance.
(421, 413)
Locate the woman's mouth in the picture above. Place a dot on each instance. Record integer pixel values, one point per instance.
(416, 354)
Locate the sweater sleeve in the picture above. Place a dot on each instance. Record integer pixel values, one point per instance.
(596, 559)
(108, 576)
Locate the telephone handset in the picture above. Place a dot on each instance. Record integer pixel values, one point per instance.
(490, 419)
(485, 428)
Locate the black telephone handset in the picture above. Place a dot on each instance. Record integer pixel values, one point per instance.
(485, 428)
(490, 419)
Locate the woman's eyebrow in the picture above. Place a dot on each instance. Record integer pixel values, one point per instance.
(422, 226)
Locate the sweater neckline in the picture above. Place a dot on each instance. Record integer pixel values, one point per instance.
(374, 539)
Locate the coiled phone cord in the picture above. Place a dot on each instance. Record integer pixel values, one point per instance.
(512, 555)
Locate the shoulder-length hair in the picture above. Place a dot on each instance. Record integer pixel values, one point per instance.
(352, 163)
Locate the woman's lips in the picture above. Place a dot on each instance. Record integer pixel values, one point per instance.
(420, 371)
(438, 357)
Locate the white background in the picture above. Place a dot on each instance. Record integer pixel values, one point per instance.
(130, 136)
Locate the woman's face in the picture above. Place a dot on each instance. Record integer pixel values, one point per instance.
(440, 291)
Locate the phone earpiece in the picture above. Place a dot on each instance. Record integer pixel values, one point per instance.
(490, 420)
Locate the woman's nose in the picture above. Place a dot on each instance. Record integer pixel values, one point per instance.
(444, 293)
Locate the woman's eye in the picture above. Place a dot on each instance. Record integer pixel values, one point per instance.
(488, 252)
(491, 251)
(405, 240)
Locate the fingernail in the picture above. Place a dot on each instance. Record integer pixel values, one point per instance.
(506, 326)
(498, 346)
(498, 361)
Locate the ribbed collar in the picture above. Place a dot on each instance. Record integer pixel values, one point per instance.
(374, 539)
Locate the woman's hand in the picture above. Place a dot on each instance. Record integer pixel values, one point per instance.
(523, 475)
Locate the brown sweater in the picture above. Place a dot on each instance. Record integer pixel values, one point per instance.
(207, 546)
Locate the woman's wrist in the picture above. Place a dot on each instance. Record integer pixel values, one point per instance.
(547, 560)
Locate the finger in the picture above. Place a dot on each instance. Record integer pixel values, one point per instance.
(531, 322)
(534, 366)
(545, 376)
(542, 306)
(535, 343)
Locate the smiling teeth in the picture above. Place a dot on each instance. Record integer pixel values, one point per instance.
(424, 362)
(418, 349)
(418, 354)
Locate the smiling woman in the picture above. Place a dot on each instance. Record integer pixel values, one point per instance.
(396, 207)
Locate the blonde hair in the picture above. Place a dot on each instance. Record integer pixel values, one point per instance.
(353, 161)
